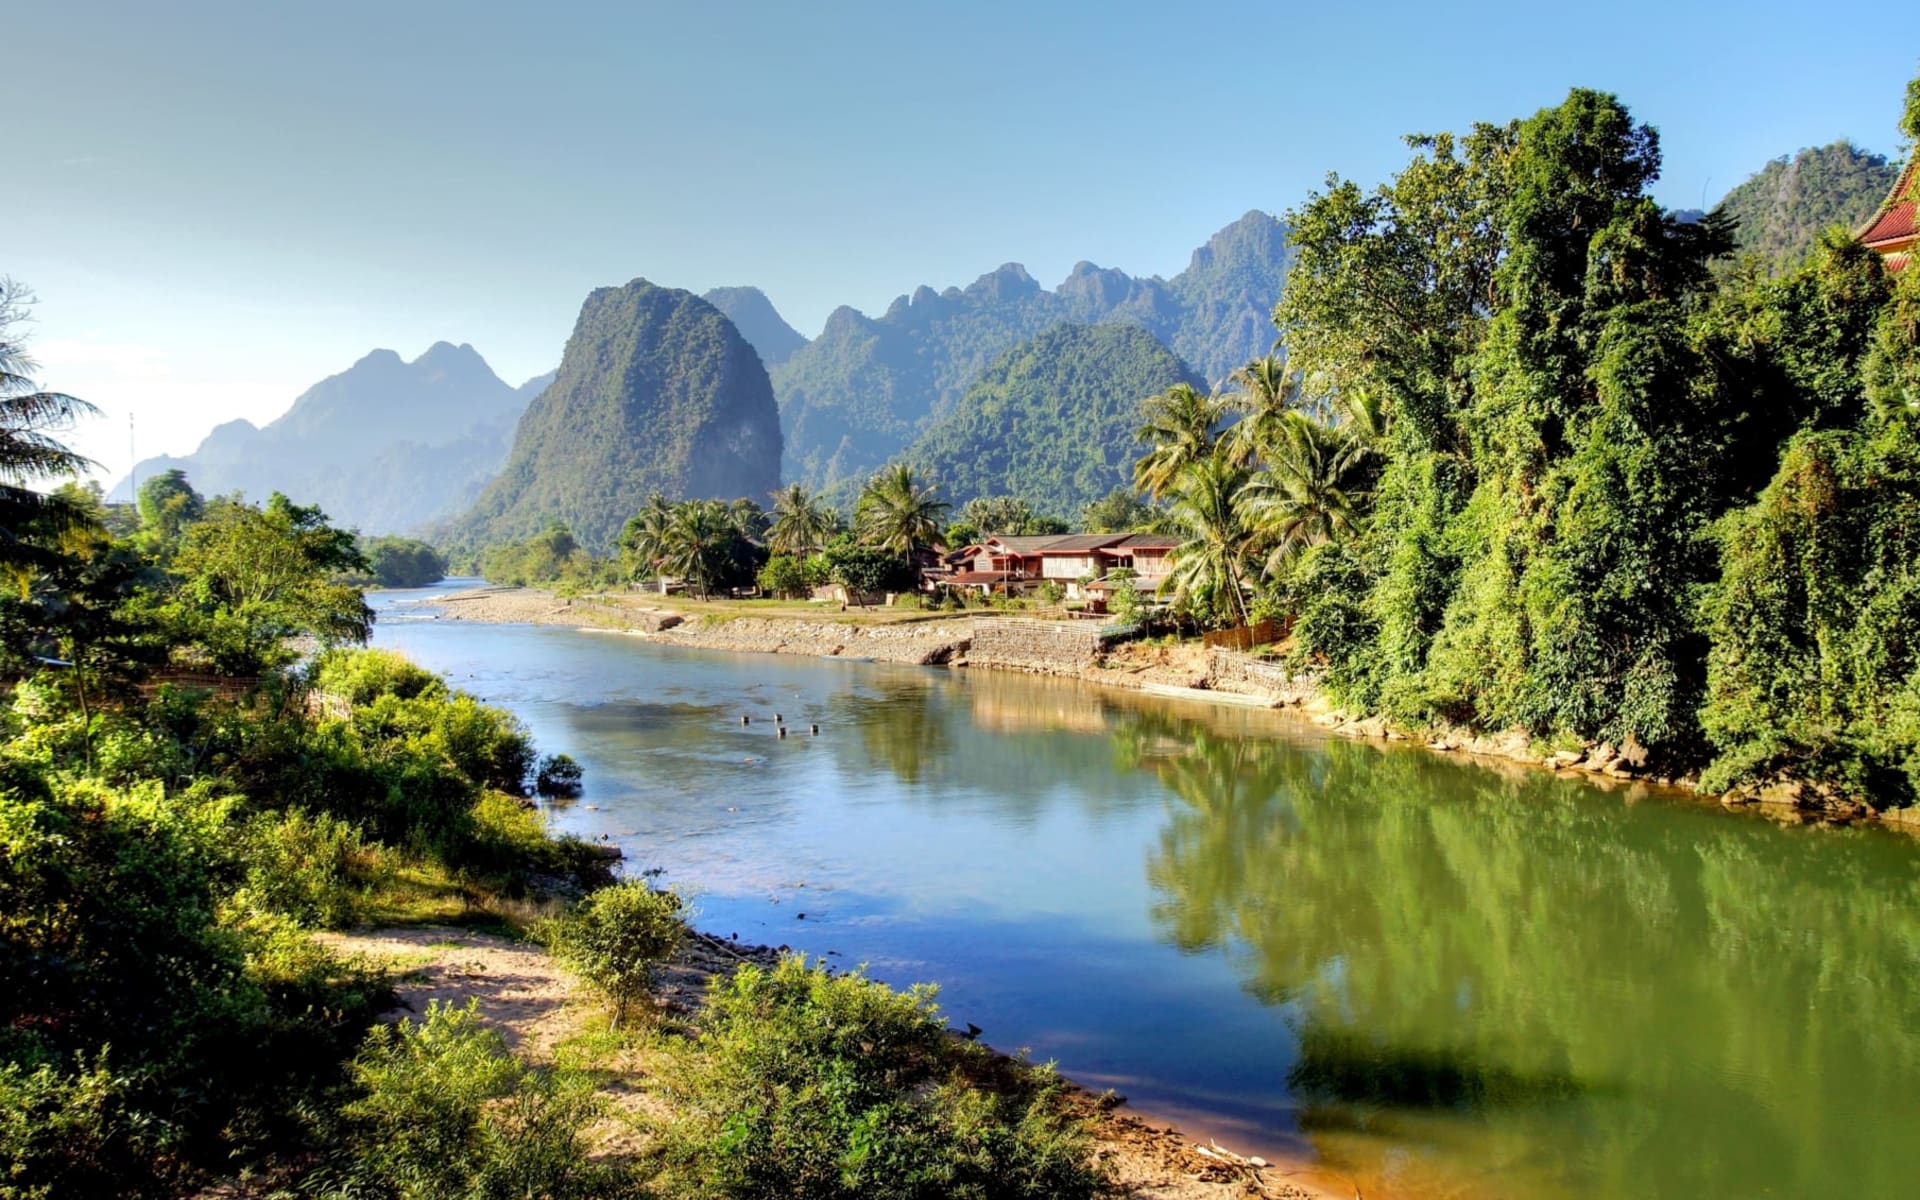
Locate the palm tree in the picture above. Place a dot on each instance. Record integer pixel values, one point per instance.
(648, 536)
(801, 523)
(700, 544)
(748, 519)
(1305, 495)
(1180, 426)
(1213, 561)
(897, 512)
(29, 453)
(1265, 394)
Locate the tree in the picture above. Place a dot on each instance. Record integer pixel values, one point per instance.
(644, 540)
(802, 523)
(399, 562)
(1265, 394)
(783, 576)
(30, 453)
(1181, 425)
(252, 578)
(1211, 568)
(1119, 511)
(700, 545)
(898, 512)
(1303, 496)
(168, 504)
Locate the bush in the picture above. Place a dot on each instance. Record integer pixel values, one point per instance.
(311, 868)
(808, 1084)
(617, 936)
(783, 576)
(558, 775)
(446, 1111)
(361, 676)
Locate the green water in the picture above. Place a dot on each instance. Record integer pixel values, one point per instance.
(1436, 977)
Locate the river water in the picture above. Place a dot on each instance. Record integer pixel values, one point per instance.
(1439, 978)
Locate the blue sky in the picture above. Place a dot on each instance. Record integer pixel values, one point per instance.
(219, 204)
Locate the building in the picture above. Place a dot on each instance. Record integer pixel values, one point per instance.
(1079, 562)
(1890, 232)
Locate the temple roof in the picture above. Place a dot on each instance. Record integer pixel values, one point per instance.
(1892, 226)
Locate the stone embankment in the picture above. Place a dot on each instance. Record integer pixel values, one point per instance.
(1037, 647)
(919, 642)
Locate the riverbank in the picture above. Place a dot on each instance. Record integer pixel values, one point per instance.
(542, 1012)
(1174, 671)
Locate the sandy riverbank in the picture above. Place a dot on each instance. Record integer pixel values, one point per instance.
(525, 994)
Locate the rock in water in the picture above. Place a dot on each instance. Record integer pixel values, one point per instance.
(657, 392)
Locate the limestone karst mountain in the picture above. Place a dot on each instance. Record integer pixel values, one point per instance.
(657, 391)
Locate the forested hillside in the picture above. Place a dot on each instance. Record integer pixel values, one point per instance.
(385, 446)
(1783, 207)
(854, 397)
(657, 392)
(1052, 420)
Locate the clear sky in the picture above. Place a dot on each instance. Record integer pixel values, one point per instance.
(221, 203)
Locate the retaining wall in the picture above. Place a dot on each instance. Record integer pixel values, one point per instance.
(1039, 647)
(1231, 671)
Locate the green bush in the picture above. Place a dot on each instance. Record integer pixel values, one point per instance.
(804, 1083)
(361, 676)
(446, 1113)
(783, 576)
(79, 1133)
(313, 869)
(557, 775)
(617, 936)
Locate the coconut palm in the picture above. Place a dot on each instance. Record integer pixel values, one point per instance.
(1265, 393)
(748, 519)
(1306, 493)
(29, 451)
(648, 536)
(898, 512)
(701, 542)
(1181, 425)
(801, 523)
(1213, 563)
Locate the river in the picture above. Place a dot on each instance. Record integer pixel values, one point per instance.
(1438, 977)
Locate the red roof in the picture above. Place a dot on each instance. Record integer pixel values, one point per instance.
(1894, 222)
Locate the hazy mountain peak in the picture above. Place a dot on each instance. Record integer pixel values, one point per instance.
(758, 321)
(1008, 281)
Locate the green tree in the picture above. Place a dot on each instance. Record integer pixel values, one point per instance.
(898, 512)
(399, 562)
(646, 536)
(30, 450)
(802, 523)
(1212, 567)
(251, 579)
(168, 504)
(1180, 425)
(1119, 511)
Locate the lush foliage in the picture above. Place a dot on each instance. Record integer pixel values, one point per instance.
(811, 1084)
(397, 562)
(899, 512)
(1529, 433)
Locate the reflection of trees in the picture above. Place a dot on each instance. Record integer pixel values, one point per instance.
(1699, 1004)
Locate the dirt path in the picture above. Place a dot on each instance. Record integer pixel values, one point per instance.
(521, 991)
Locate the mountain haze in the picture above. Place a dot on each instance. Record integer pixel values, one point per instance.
(657, 391)
(855, 396)
(759, 322)
(385, 446)
(1052, 420)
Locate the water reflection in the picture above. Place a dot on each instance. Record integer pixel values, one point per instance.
(1587, 996)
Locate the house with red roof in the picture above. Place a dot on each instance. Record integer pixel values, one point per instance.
(1081, 563)
(1890, 231)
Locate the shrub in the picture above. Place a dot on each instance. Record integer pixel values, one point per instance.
(617, 936)
(783, 576)
(808, 1084)
(312, 868)
(361, 676)
(558, 775)
(446, 1111)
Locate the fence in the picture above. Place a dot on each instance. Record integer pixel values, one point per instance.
(1244, 637)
